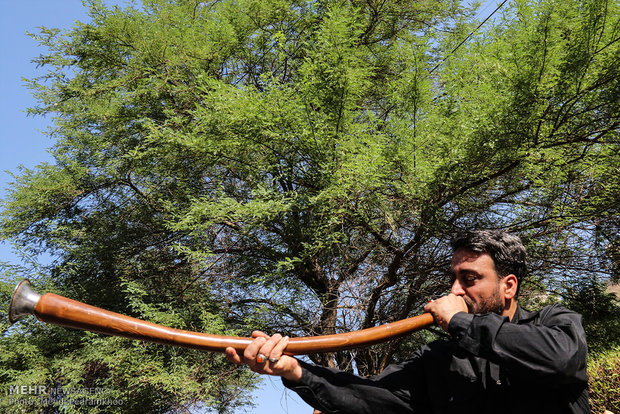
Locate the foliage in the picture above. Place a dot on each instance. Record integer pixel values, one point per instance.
(604, 374)
(600, 311)
(127, 376)
(298, 166)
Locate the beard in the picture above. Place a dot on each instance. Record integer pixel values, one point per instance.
(491, 304)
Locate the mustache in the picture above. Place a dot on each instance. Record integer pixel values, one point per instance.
(489, 305)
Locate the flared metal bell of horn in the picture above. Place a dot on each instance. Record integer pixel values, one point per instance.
(23, 301)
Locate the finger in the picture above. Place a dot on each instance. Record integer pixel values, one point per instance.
(232, 356)
(261, 358)
(251, 351)
(259, 334)
(278, 350)
(265, 350)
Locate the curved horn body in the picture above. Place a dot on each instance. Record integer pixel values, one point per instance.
(58, 310)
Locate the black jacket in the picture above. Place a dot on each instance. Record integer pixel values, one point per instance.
(535, 363)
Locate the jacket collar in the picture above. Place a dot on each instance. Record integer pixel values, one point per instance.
(522, 316)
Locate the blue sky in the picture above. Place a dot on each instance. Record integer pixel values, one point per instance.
(23, 143)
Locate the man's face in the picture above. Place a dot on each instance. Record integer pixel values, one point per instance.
(476, 280)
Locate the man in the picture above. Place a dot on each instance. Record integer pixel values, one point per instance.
(500, 358)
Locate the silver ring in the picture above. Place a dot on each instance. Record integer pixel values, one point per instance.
(273, 360)
(260, 358)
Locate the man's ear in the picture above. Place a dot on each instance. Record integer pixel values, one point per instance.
(510, 284)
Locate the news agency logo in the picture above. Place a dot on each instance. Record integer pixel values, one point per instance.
(27, 390)
(38, 389)
(42, 395)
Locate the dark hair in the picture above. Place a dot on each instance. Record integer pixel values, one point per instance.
(505, 249)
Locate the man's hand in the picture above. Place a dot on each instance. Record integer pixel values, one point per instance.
(264, 356)
(444, 308)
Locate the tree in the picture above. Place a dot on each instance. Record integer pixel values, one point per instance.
(601, 314)
(298, 166)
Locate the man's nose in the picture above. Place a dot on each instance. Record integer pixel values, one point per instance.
(457, 288)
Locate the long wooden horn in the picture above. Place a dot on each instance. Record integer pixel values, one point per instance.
(58, 310)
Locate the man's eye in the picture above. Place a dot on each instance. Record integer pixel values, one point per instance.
(470, 278)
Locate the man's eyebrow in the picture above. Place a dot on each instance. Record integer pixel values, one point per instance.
(467, 272)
